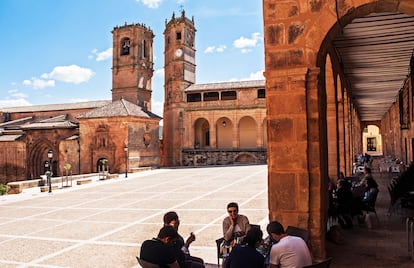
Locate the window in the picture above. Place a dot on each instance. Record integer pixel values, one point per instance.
(194, 97)
(125, 45)
(211, 96)
(261, 93)
(178, 36)
(228, 95)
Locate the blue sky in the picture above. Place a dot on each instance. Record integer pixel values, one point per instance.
(60, 51)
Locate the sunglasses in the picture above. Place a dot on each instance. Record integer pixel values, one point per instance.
(232, 211)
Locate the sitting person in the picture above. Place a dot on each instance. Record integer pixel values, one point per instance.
(289, 251)
(371, 192)
(157, 251)
(235, 226)
(246, 255)
(343, 203)
(180, 247)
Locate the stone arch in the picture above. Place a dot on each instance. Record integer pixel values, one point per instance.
(371, 140)
(224, 133)
(295, 80)
(37, 157)
(247, 132)
(201, 133)
(245, 158)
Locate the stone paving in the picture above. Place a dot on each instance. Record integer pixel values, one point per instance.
(102, 224)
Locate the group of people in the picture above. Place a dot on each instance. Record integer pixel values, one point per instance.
(349, 200)
(250, 251)
(169, 250)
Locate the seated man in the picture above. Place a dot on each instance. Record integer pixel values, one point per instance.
(157, 251)
(290, 251)
(246, 256)
(179, 247)
(235, 225)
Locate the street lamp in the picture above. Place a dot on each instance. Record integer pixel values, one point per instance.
(49, 173)
(126, 161)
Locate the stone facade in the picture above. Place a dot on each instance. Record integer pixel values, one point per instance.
(313, 126)
(208, 124)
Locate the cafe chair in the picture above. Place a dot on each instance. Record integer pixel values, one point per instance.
(322, 264)
(145, 264)
(296, 231)
(219, 254)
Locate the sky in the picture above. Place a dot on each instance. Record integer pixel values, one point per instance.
(60, 51)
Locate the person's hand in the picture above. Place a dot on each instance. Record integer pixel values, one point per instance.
(190, 239)
(232, 222)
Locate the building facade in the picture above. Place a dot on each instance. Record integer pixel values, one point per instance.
(207, 124)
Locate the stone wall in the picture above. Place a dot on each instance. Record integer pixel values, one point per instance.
(208, 157)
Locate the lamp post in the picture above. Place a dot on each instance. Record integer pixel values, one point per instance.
(49, 173)
(126, 161)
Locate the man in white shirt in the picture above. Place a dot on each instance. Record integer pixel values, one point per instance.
(290, 251)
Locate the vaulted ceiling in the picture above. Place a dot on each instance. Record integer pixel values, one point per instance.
(375, 51)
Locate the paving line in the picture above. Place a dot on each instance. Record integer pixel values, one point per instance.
(89, 241)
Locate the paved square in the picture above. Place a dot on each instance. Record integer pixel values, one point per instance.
(104, 223)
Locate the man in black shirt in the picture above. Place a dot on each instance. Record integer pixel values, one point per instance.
(157, 251)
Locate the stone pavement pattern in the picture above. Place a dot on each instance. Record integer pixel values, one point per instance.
(103, 224)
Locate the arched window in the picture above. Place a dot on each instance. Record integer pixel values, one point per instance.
(125, 45)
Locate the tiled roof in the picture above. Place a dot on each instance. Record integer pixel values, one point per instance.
(55, 107)
(118, 108)
(227, 85)
(44, 125)
(16, 122)
(9, 137)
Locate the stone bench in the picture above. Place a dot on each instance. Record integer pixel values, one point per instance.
(46, 188)
(14, 187)
(83, 181)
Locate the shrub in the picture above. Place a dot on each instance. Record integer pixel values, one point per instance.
(3, 189)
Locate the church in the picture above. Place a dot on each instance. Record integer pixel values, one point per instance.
(203, 124)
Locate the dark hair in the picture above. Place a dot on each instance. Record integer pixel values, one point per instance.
(253, 236)
(168, 231)
(371, 183)
(275, 227)
(233, 205)
(170, 216)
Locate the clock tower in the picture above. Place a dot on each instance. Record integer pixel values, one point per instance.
(132, 64)
(179, 68)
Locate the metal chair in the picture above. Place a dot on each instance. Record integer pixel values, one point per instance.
(219, 254)
(322, 264)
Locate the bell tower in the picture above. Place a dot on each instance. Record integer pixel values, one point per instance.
(132, 64)
(179, 68)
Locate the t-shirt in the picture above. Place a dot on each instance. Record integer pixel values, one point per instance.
(154, 251)
(244, 257)
(290, 252)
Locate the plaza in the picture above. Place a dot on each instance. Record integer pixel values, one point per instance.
(102, 224)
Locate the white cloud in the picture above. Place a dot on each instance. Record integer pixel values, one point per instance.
(19, 95)
(244, 43)
(70, 74)
(37, 83)
(159, 72)
(100, 56)
(157, 107)
(256, 76)
(14, 102)
(212, 49)
(150, 3)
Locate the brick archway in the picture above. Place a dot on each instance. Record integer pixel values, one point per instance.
(297, 41)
